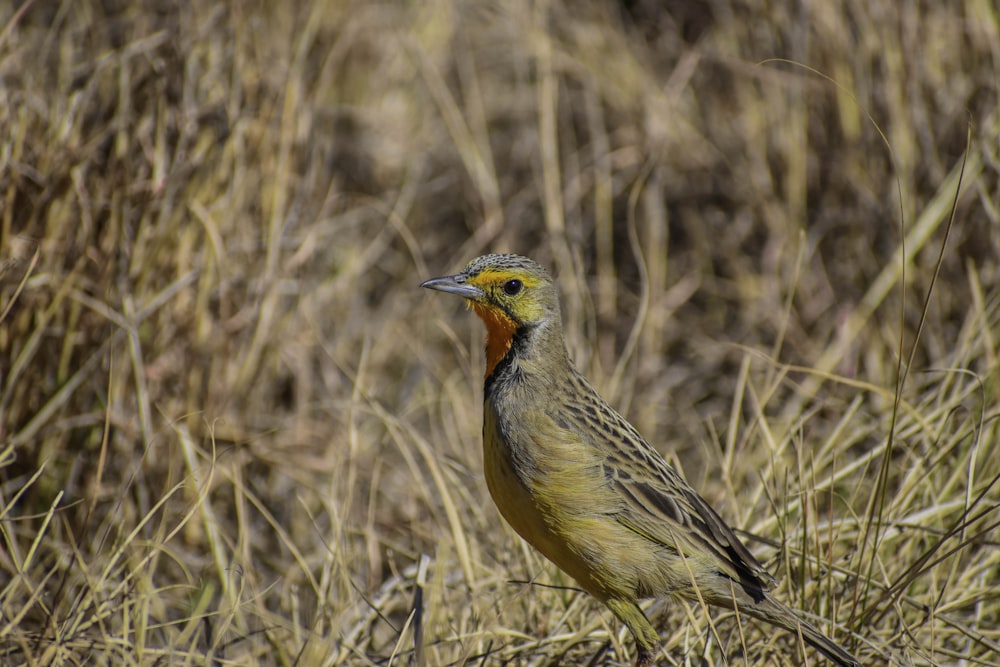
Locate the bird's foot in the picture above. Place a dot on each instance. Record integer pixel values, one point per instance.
(644, 656)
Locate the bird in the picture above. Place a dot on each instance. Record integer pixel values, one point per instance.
(576, 480)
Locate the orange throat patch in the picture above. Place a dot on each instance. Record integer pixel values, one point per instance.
(500, 331)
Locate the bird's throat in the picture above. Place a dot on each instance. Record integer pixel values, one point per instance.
(500, 330)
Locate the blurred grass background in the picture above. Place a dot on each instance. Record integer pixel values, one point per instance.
(235, 432)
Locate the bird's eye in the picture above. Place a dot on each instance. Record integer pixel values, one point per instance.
(512, 287)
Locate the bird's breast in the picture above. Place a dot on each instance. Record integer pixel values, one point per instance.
(551, 489)
(508, 472)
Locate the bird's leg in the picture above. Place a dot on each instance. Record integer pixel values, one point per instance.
(646, 639)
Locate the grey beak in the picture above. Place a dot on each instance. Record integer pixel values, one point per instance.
(454, 285)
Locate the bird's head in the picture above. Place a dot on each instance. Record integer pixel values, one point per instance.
(510, 293)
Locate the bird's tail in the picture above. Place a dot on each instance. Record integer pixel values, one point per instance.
(772, 611)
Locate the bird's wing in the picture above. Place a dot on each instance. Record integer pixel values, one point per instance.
(656, 501)
(663, 508)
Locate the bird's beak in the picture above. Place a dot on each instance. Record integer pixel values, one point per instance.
(454, 285)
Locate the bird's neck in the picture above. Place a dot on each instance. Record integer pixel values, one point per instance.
(530, 357)
(500, 332)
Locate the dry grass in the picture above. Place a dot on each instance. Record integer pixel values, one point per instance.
(235, 432)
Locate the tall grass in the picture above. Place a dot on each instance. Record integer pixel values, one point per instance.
(233, 431)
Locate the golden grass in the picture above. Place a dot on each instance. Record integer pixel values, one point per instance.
(235, 432)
